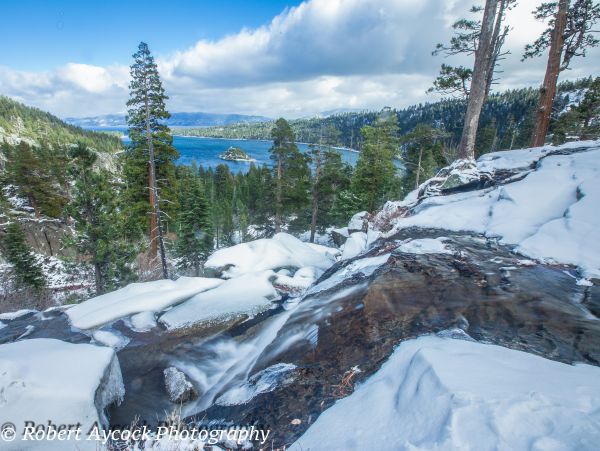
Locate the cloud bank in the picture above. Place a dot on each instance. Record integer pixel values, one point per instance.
(321, 55)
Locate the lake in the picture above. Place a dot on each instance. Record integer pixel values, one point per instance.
(206, 151)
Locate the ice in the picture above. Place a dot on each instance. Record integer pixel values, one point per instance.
(365, 266)
(136, 298)
(445, 394)
(354, 245)
(425, 246)
(179, 388)
(246, 295)
(281, 251)
(550, 215)
(262, 382)
(45, 379)
(143, 321)
(110, 338)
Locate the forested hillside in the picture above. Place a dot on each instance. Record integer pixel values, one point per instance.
(506, 120)
(19, 122)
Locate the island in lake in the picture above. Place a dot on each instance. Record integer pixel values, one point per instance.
(235, 154)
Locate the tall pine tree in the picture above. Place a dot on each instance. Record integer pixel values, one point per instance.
(150, 158)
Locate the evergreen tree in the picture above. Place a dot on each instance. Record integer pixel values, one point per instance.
(100, 227)
(422, 154)
(291, 173)
(581, 121)
(18, 253)
(150, 168)
(194, 230)
(374, 178)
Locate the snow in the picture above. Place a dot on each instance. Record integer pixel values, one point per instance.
(143, 321)
(282, 250)
(246, 295)
(46, 379)
(262, 382)
(111, 339)
(425, 246)
(357, 221)
(136, 298)
(300, 282)
(354, 245)
(550, 215)
(9, 316)
(445, 394)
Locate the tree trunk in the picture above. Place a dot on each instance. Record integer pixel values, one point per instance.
(98, 279)
(156, 232)
(153, 224)
(496, 44)
(548, 89)
(419, 167)
(278, 196)
(315, 200)
(477, 95)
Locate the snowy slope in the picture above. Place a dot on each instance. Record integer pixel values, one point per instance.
(444, 394)
(551, 214)
(46, 379)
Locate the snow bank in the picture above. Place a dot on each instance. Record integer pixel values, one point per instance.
(282, 250)
(47, 379)
(445, 394)
(136, 298)
(143, 322)
(552, 214)
(354, 245)
(113, 339)
(248, 294)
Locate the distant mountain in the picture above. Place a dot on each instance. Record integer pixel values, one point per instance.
(177, 120)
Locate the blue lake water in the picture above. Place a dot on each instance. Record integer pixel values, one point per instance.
(206, 151)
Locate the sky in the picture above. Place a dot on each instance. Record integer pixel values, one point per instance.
(267, 57)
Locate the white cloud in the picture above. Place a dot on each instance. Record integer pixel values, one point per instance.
(321, 55)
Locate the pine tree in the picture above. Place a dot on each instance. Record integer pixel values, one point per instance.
(374, 178)
(291, 173)
(194, 229)
(100, 226)
(18, 253)
(422, 154)
(581, 121)
(150, 158)
(568, 35)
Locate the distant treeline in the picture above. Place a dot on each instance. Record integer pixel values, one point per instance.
(506, 120)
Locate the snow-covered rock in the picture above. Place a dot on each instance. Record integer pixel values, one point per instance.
(339, 236)
(110, 338)
(178, 386)
(136, 298)
(550, 214)
(354, 245)
(299, 282)
(45, 380)
(9, 316)
(359, 222)
(445, 394)
(281, 251)
(236, 298)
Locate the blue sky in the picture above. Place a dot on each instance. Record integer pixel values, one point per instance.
(272, 58)
(41, 35)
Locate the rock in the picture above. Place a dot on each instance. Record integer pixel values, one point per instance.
(359, 222)
(179, 387)
(339, 236)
